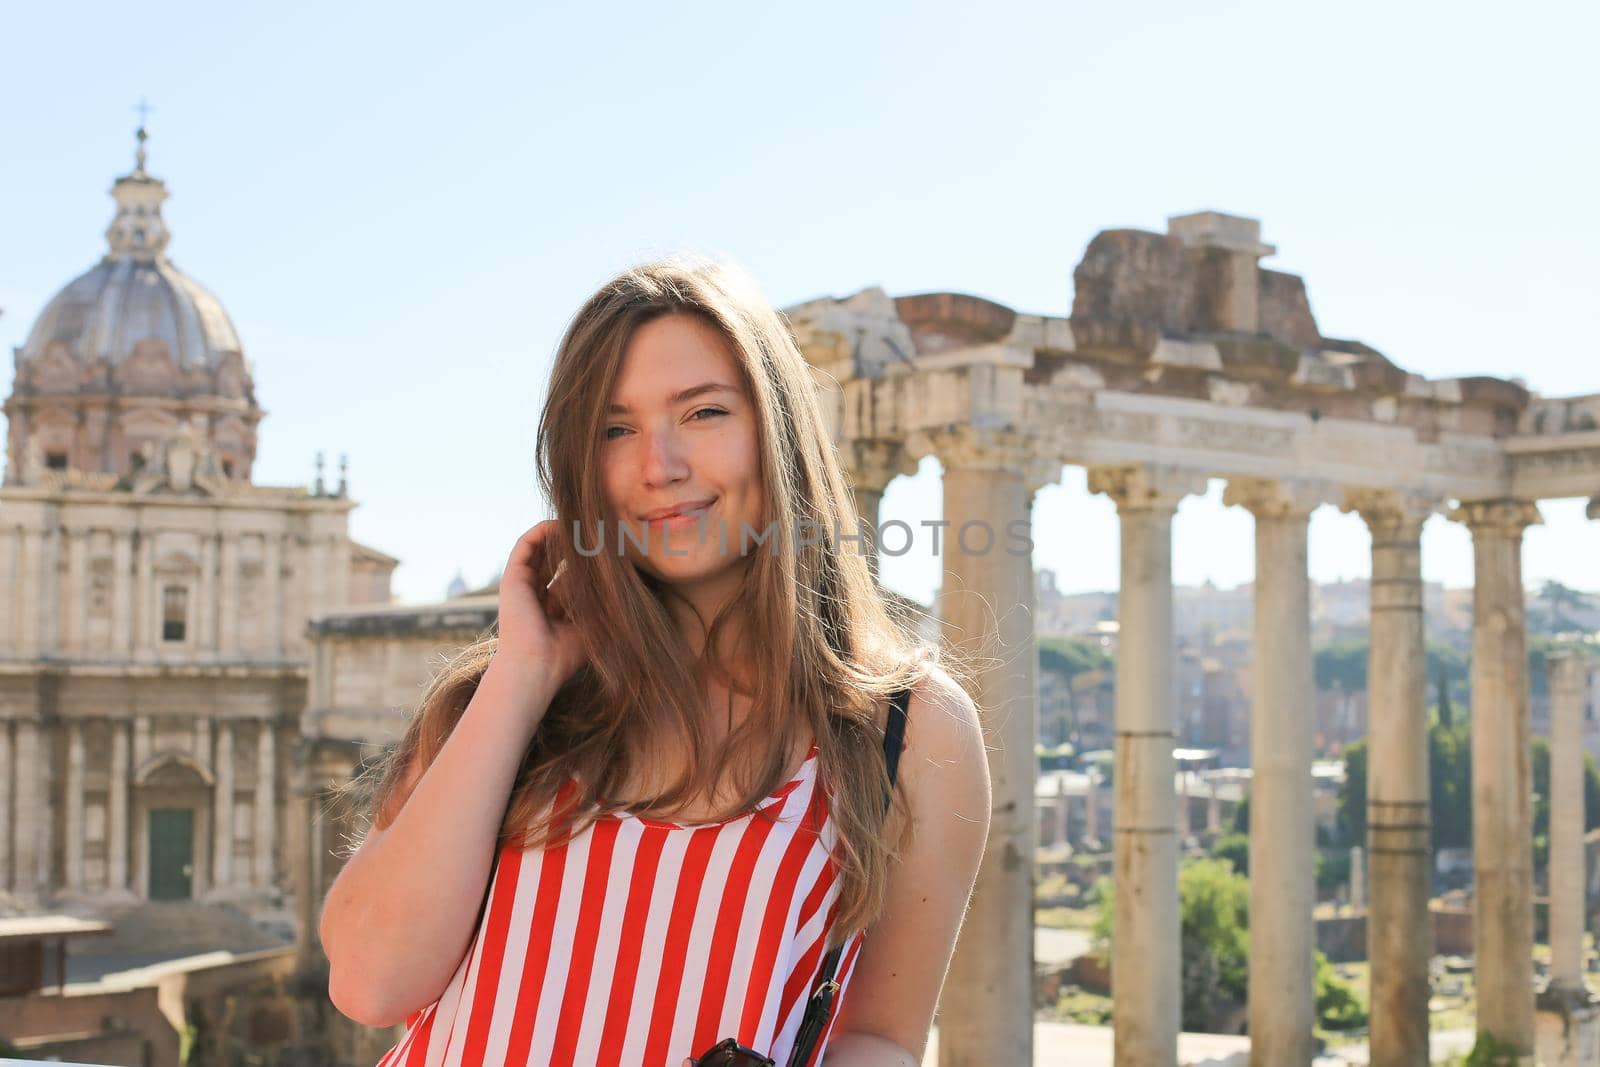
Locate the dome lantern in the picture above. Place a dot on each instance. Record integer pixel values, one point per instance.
(138, 230)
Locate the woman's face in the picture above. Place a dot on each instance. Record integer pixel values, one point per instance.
(662, 448)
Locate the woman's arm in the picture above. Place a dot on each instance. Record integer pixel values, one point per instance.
(888, 1008)
(399, 917)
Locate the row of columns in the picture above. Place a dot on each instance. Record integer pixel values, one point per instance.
(1281, 1011)
(988, 475)
(26, 830)
(48, 620)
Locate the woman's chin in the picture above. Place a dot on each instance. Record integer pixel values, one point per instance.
(693, 569)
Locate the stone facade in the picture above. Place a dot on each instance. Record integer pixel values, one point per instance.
(154, 601)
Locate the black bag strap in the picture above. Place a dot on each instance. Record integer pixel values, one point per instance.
(821, 1002)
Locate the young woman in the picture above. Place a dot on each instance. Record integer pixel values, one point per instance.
(631, 824)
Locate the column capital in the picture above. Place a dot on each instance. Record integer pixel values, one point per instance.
(872, 464)
(1567, 667)
(1145, 486)
(1399, 510)
(967, 447)
(1502, 516)
(1277, 498)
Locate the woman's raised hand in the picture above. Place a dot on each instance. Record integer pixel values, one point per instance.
(538, 641)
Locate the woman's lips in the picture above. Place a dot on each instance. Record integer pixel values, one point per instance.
(685, 518)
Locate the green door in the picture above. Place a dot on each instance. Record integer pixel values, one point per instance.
(171, 853)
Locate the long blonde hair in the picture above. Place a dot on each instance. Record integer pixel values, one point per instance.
(825, 649)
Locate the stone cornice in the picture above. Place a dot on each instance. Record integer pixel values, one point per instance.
(142, 669)
(247, 498)
(1073, 421)
(1555, 464)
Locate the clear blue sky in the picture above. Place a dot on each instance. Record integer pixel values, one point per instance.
(401, 205)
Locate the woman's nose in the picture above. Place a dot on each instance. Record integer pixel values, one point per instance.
(664, 460)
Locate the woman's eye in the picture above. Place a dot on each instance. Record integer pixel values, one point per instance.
(608, 436)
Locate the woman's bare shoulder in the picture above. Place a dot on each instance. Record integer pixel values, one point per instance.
(941, 717)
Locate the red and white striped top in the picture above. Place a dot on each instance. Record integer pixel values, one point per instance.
(642, 942)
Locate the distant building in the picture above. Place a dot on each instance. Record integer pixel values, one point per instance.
(154, 599)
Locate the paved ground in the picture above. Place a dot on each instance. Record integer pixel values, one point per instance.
(1070, 1045)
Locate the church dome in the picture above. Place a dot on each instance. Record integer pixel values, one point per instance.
(135, 296)
(130, 356)
(105, 313)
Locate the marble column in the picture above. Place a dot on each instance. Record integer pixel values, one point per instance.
(313, 576)
(1399, 926)
(871, 466)
(1569, 678)
(1145, 956)
(205, 607)
(50, 605)
(298, 841)
(7, 827)
(76, 594)
(141, 741)
(272, 565)
(144, 634)
(1568, 1016)
(30, 613)
(1502, 807)
(122, 598)
(228, 596)
(117, 803)
(73, 829)
(266, 828)
(29, 810)
(222, 810)
(338, 556)
(202, 744)
(986, 608)
(10, 591)
(1283, 829)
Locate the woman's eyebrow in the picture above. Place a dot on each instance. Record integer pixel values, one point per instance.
(680, 396)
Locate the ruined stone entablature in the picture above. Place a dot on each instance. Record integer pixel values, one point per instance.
(1181, 350)
(1182, 361)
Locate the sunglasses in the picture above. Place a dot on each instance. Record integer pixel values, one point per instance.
(729, 1053)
